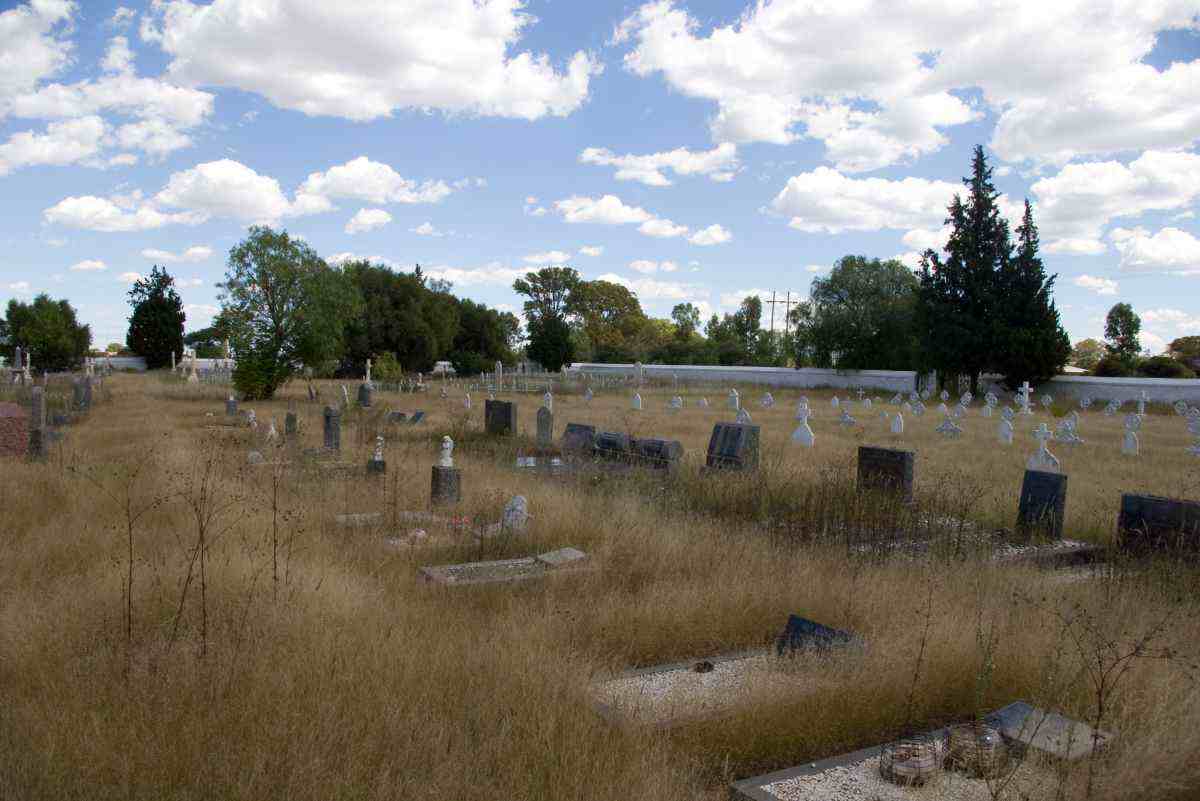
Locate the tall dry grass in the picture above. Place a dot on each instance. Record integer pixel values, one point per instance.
(312, 663)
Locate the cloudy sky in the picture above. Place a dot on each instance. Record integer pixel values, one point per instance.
(693, 151)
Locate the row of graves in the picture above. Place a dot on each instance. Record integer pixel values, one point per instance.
(46, 406)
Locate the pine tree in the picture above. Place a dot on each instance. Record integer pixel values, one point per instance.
(959, 294)
(156, 325)
(1031, 344)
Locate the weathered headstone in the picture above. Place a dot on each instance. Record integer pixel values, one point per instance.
(333, 429)
(1043, 504)
(743, 417)
(291, 425)
(231, 406)
(886, 470)
(898, 424)
(1130, 445)
(660, 454)
(365, 391)
(500, 417)
(733, 446)
(1005, 432)
(545, 427)
(445, 486)
(803, 435)
(613, 445)
(417, 417)
(377, 465)
(802, 634)
(578, 439)
(1043, 460)
(1150, 523)
(637, 402)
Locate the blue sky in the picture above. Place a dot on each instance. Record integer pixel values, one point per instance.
(695, 151)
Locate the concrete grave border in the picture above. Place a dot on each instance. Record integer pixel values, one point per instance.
(441, 574)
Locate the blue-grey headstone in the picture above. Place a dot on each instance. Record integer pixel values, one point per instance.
(333, 429)
(417, 417)
(1043, 504)
(802, 634)
(613, 445)
(733, 446)
(364, 395)
(660, 454)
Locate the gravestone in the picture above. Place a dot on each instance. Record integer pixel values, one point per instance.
(578, 439)
(515, 517)
(37, 423)
(417, 417)
(733, 446)
(445, 485)
(613, 445)
(291, 424)
(743, 416)
(886, 470)
(376, 465)
(500, 417)
(802, 634)
(1129, 444)
(637, 402)
(545, 427)
(333, 429)
(660, 454)
(395, 417)
(364, 394)
(1005, 432)
(231, 406)
(1043, 504)
(803, 435)
(898, 424)
(1043, 459)
(1151, 523)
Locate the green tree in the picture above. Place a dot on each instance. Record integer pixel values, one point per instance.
(209, 343)
(482, 339)
(1121, 329)
(687, 321)
(861, 317)
(1164, 367)
(1029, 343)
(1186, 350)
(611, 318)
(957, 300)
(156, 325)
(49, 331)
(547, 293)
(1087, 353)
(285, 308)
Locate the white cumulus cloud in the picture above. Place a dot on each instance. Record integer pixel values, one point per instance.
(548, 257)
(88, 265)
(663, 229)
(712, 235)
(607, 210)
(591, 250)
(363, 61)
(192, 254)
(371, 181)
(1101, 286)
(1167, 251)
(367, 220)
(719, 164)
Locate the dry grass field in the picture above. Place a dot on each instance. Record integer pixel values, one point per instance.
(177, 624)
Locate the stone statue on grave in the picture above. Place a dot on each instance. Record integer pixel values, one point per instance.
(377, 456)
(447, 457)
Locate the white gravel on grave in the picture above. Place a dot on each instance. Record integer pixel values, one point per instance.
(685, 693)
(862, 782)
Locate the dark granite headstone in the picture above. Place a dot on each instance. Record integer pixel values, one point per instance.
(733, 446)
(612, 445)
(1150, 523)
(578, 439)
(500, 417)
(231, 407)
(445, 487)
(376, 467)
(660, 454)
(802, 634)
(333, 429)
(417, 417)
(1043, 503)
(291, 425)
(364, 395)
(886, 470)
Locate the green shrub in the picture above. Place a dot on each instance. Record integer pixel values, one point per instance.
(1164, 367)
(1114, 366)
(386, 367)
(257, 376)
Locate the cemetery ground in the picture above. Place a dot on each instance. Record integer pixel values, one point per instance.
(178, 623)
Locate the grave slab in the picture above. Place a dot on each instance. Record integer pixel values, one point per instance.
(502, 571)
(1149, 523)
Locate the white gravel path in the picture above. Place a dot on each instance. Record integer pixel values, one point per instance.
(862, 782)
(685, 693)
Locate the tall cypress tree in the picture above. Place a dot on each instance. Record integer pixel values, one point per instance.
(1031, 344)
(156, 325)
(958, 294)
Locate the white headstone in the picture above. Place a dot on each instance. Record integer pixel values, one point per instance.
(587, 395)
(846, 419)
(467, 401)
(548, 401)
(1043, 460)
(515, 517)
(1005, 432)
(743, 417)
(803, 435)
(735, 401)
(898, 424)
(676, 403)
(835, 403)
(768, 401)
(702, 403)
(637, 401)
(377, 456)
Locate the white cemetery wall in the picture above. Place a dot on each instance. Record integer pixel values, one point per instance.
(807, 377)
(1160, 390)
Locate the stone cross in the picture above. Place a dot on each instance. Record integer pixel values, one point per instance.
(1130, 446)
(1025, 396)
(1043, 460)
(368, 378)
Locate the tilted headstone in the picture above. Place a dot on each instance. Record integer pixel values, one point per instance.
(733, 446)
(500, 417)
(333, 429)
(417, 417)
(545, 427)
(949, 428)
(1151, 523)
(886, 470)
(802, 634)
(767, 401)
(1043, 504)
(578, 439)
